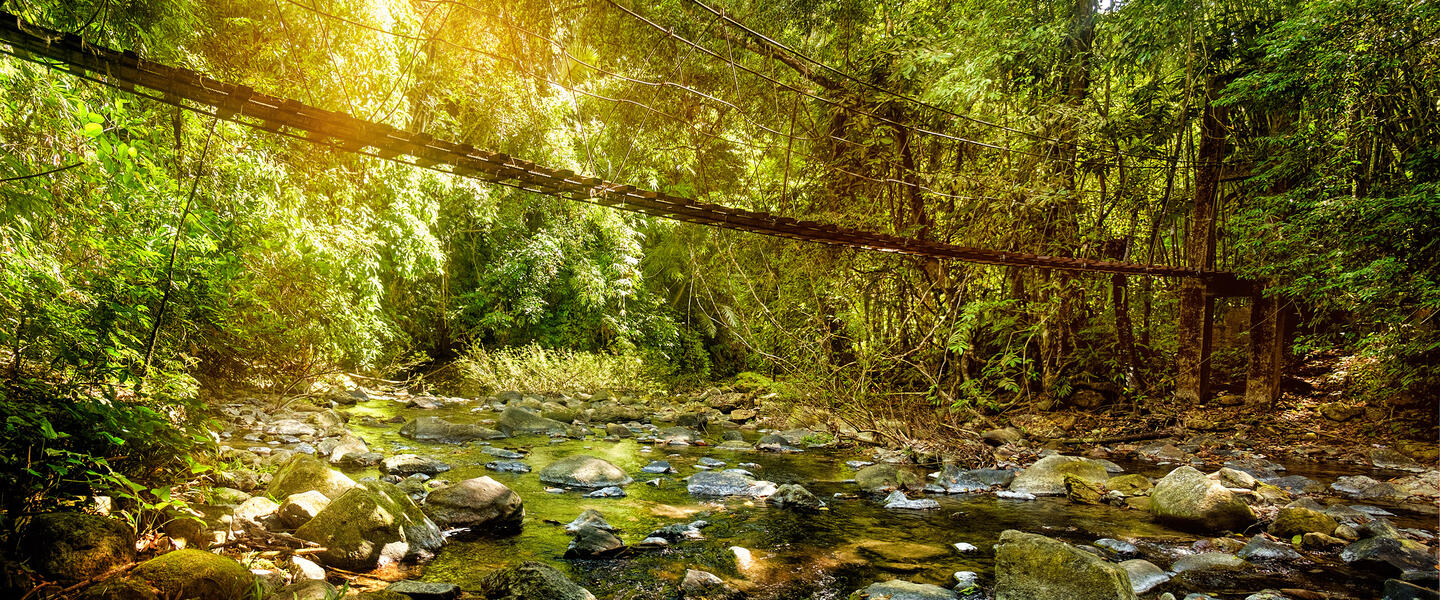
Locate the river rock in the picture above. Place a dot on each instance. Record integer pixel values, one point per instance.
(515, 420)
(896, 589)
(435, 429)
(254, 512)
(406, 465)
(1080, 491)
(613, 491)
(507, 466)
(479, 504)
(306, 589)
(589, 518)
(1207, 561)
(1047, 476)
(67, 546)
(1388, 555)
(1261, 548)
(658, 466)
(901, 552)
(1293, 521)
(955, 480)
(1133, 484)
(1297, 484)
(425, 590)
(1001, 436)
(730, 482)
(372, 525)
(679, 436)
(346, 446)
(304, 473)
(195, 574)
(1385, 458)
(618, 430)
(897, 500)
(583, 470)
(795, 497)
(1396, 589)
(1144, 575)
(531, 580)
(593, 542)
(1035, 567)
(885, 477)
(502, 453)
(1187, 497)
(1118, 549)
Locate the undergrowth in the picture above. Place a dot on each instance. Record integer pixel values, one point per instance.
(534, 368)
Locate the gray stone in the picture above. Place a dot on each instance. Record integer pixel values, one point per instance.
(1207, 561)
(347, 446)
(298, 509)
(531, 581)
(1385, 458)
(1388, 555)
(507, 466)
(607, 492)
(515, 420)
(582, 470)
(658, 466)
(1035, 567)
(896, 589)
(502, 453)
(886, 477)
(1003, 435)
(1187, 497)
(481, 504)
(1144, 575)
(1047, 476)
(1117, 548)
(371, 525)
(308, 589)
(1396, 589)
(589, 518)
(1261, 548)
(435, 429)
(593, 542)
(730, 482)
(795, 497)
(406, 465)
(897, 500)
(304, 568)
(425, 590)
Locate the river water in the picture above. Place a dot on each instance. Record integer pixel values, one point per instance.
(770, 552)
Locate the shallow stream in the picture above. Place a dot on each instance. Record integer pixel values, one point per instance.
(786, 554)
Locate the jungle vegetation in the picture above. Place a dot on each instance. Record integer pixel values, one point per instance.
(151, 253)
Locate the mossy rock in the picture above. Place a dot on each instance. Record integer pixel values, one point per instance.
(1133, 484)
(372, 525)
(885, 477)
(195, 575)
(1187, 497)
(1293, 521)
(531, 580)
(1047, 476)
(74, 546)
(1034, 567)
(304, 473)
(119, 588)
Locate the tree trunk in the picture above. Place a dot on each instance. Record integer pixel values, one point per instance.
(1197, 307)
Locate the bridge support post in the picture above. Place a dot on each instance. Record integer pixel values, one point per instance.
(1269, 318)
(1193, 334)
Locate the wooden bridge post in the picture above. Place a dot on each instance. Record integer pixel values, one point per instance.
(1268, 324)
(1193, 333)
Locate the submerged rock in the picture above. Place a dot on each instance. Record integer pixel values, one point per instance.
(1293, 521)
(531, 581)
(730, 482)
(1261, 548)
(795, 497)
(507, 466)
(479, 504)
(1186, 496)
(435, 429)
(896, 589)
(515, 420)
(583, 470)
(897, 499)
(1035, 567)
(901, 552)
(658, 466)
(371, 525)
(1144, 575)
(1207, 561)
(593, 542)
(886, 477)
(71, 546)
(1047, 476)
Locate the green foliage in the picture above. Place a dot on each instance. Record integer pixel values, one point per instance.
(534, 368)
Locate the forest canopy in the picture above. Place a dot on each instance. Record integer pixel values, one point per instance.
(150, 250)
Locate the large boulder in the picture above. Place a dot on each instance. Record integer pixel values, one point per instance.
(435, 429)
(195, 575)
(531, 580)
(1187, 497)
(1047, 476)
(515, 420)
(480, 504)
(885, 477)
(304, 473)
(1035, 567)
(583, 470)
(371, 525)
(71, 546)
(730, 482)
